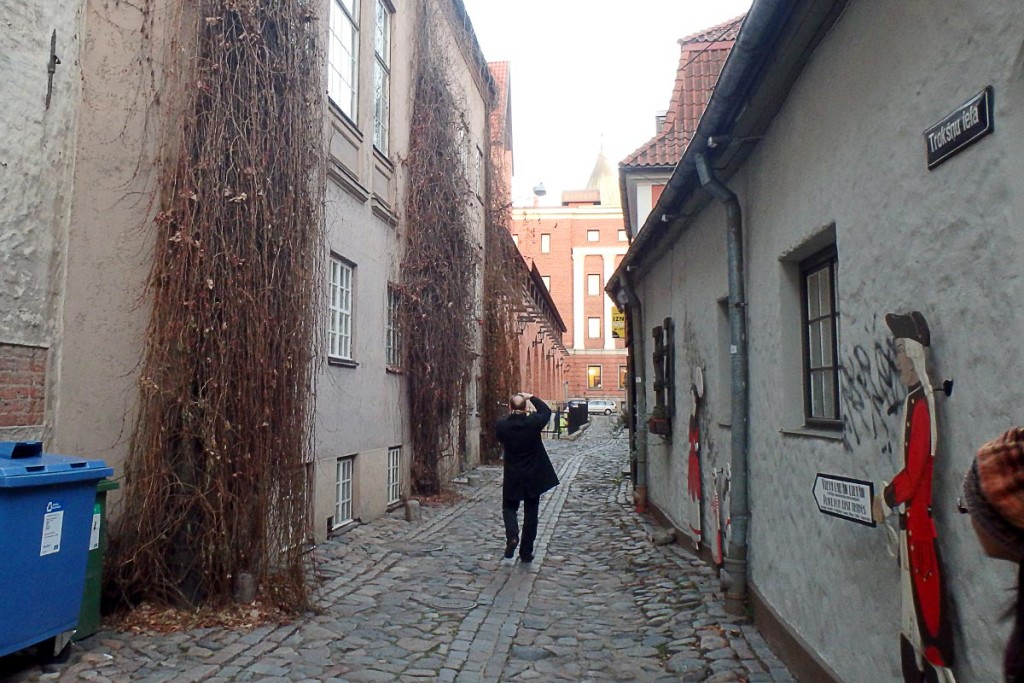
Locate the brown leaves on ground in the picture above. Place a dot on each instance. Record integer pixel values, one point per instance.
(148, 618)
(441, 499)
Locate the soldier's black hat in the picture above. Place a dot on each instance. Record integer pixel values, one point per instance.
(909, 326)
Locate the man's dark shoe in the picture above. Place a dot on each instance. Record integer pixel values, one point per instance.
(510, 547)
(525, 558)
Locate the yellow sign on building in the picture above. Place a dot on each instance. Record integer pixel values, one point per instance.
(618, 324)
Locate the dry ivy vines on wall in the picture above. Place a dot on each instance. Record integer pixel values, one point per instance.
(216, 479)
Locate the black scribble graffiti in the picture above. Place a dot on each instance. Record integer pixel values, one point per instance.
(870, 392)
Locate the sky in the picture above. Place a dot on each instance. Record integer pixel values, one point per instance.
(586, 73)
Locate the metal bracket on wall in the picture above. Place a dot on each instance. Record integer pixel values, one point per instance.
(51, 67)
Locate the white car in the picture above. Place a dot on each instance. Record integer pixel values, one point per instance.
(601, 406)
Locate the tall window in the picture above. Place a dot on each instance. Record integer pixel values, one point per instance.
(622, 235)
(820, 314)
(382, 77)
(545, 243)
(622, 376)
(392, 335)
(515, 240)
(593, 235)
(594, 328)
(343, 492)
(546, 279)
(593, 376)
(594, 284)
(394, 474)
(343, 55)
(340, 330)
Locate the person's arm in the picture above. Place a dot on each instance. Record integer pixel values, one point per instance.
(543, 412)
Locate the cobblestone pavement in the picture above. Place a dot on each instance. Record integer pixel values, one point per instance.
(435, 601)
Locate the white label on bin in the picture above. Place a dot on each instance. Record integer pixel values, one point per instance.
(53, 526)
(94, 535)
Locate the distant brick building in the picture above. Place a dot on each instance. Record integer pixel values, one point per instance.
(576, 247)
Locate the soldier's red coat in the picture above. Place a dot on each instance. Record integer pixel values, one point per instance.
(912, 486)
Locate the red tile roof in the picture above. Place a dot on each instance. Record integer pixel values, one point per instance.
(701, 58)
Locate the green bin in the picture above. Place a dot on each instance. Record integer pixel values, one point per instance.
(89, 617)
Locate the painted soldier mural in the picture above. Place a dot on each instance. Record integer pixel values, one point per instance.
(693, 475)
(926, 639)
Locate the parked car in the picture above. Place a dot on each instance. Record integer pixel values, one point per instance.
(601, 406)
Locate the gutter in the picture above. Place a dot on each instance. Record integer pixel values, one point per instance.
(734, 575)
(637, 392)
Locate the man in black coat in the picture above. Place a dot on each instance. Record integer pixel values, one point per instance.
(528, 471)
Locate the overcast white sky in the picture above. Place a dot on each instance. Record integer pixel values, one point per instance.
(584, 71)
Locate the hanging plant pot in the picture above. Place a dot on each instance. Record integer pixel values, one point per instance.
(660, 425)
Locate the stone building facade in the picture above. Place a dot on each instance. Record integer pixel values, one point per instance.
(79, 163)
(818, 132)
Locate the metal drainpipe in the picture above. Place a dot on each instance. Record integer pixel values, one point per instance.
(734, 575)
(638, 362)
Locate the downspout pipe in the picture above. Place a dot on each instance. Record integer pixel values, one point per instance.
(734, 574)
(638, 390)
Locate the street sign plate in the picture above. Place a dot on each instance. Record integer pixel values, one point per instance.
(845, 498)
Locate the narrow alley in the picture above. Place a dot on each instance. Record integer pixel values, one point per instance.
(435, 601)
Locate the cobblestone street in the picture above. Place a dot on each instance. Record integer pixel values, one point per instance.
(435, 601)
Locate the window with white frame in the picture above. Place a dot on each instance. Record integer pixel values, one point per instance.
(622, 235)
(340, 328)
(820, 318)
(593, 284)
(593, 235)
(546, 279)
(545, 243)
(594, 328)
(343, 491)
(394, 474)
(392, 335)
(515, 240)
(343, 55)
(382, 77)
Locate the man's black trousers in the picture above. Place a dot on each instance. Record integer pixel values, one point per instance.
(509, 512)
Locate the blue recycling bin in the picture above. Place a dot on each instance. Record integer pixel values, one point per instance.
(46, 509)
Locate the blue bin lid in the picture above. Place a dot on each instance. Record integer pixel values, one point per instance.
(23, 464)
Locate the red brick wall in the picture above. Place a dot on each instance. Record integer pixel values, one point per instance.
(22, 386)
(566, 233)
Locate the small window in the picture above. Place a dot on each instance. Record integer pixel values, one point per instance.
(820, 318)
(343, 492)
(392, 336)
(394, 474)
(593, 235)
(593, 376)
(546, 279)
(343, 55)
(594, 328)
(622, 376)
(515, 240)
(382, 78)
(622, 235)
(545, 243)
(340, 327)
(593, 284)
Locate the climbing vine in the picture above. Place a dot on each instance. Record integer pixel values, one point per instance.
(440, 264)
(216, 480)
(504, 287)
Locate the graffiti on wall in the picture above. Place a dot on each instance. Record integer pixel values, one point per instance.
(870, 392)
